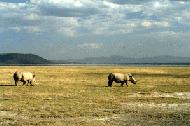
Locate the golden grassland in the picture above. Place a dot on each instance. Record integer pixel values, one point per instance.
(78, 95)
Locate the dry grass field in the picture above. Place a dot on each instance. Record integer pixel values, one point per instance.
(78, 95)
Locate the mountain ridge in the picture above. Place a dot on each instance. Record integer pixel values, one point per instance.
(122, 60)
(20, 58)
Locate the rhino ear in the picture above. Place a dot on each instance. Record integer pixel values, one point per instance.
(129, 74)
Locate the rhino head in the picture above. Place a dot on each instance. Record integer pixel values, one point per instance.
(132, 79)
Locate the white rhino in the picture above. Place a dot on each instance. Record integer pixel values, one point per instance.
(120, 78)
(25, 77)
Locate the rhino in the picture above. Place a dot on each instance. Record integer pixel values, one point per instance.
(25, 77)
(120, 78)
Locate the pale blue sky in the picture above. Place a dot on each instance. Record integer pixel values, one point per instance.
(66, 29)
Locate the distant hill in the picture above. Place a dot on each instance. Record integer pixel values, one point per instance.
(17, 58)
(24, 59)
(126, 60)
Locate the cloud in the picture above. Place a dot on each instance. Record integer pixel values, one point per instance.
(32, 16)
(68, 3)
(123, 22)
(161, 4)
(149, 24)
(111, 5)
(67, 12)
(129, 1)
(90, 45)
(26, 29)
(107, 16)
(15, 1)
(83, 17)
(64, 8)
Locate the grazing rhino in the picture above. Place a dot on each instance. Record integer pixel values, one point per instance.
(120, 78)
(25, 77)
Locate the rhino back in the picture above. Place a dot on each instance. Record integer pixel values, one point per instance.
(27, 76)
(119, 77)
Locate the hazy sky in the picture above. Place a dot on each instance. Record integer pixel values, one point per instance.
(64, 29)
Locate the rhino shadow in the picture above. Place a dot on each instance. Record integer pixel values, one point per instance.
(96, 86)
(3, 85)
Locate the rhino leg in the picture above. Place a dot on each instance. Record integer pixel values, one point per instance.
(24, 82)
(16, 82)
(122, 83)
(109, 83)
(16, 79)
(31, 83)
(126, 83)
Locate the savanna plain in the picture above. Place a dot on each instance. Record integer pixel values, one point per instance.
(78, 95)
